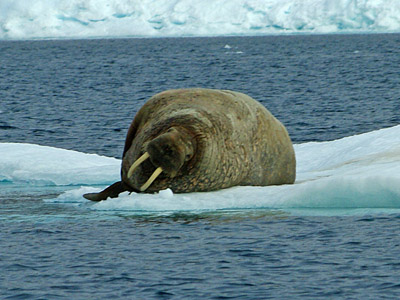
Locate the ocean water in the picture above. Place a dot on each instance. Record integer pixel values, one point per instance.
(64, 111)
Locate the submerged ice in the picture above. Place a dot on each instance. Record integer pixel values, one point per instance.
(25, 19)
(361, 171)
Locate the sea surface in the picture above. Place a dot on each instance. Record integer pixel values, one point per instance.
(335, 234)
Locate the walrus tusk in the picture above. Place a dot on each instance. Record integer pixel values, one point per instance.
(151, 179)
(137, 163)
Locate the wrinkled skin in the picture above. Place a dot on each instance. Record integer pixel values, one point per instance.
(204, 140)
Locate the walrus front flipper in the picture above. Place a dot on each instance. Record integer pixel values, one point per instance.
(112, 191)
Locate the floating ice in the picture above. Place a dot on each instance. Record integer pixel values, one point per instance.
(26, 19)
(42, 165)
(361, 171)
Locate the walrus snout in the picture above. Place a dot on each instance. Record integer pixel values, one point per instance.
(165, 152)
(168, 152)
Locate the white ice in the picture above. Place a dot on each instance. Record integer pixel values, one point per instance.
(27, 19)
(361, 171)
(41, 165)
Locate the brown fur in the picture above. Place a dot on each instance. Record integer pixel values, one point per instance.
(234, 139)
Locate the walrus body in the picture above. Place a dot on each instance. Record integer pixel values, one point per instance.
(203, 140)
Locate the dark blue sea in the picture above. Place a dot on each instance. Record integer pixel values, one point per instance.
(337, 95)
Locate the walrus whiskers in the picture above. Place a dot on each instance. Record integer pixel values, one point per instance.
(137, 163)
(151, 179)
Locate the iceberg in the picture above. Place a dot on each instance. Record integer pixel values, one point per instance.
(27, 19)
(356, 172)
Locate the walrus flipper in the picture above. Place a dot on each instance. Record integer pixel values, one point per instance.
(112, 191)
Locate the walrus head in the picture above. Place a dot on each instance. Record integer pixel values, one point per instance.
(167, 152)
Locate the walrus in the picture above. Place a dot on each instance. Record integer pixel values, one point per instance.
(197, 140)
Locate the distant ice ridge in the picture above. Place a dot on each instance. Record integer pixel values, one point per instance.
(361, 171)
(27, 19)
